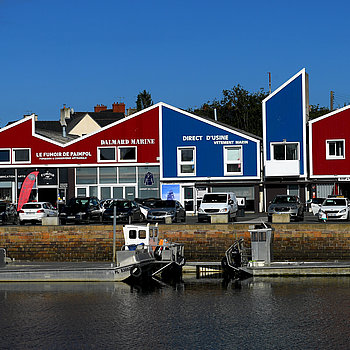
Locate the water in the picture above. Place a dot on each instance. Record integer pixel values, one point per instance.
(275, 313)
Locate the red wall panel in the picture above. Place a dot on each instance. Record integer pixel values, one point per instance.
(336, 126)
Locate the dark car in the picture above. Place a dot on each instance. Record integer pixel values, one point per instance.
(162, 209)
(126, 211)
(81, 210)
(8, 213)
(286, 204)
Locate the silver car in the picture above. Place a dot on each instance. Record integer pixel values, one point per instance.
(286, 204)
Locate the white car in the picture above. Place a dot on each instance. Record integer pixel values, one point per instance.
(34, 212)
(335, 209)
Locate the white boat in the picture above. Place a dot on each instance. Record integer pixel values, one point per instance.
(145, 255)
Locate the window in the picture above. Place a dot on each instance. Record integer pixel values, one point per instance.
(127, 154)
(86, 176)
(106, 154)
(108, 175)
(285, 151)
(127, 174)
(233, 160)
(186, 161)
(335, 149)
(5, 156)
(21, 155)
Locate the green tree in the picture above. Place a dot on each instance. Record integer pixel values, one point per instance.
(238, 108)
(316, 111)
(144, 100)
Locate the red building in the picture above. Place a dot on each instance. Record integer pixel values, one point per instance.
(329, 163)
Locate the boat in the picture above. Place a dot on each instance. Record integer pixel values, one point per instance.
(145, 255)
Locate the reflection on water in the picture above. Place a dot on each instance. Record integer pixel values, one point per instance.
(259, 313)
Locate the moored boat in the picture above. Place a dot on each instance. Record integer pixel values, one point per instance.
(145, 255)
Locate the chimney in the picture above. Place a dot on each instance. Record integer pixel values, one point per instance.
(100, 108)
(118, 107)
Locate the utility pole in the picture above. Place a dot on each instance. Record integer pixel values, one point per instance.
(332, 100)
(269, 82)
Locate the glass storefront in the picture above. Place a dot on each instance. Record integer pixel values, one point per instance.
(118, 182)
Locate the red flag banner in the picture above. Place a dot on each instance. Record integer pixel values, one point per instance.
(27, 186)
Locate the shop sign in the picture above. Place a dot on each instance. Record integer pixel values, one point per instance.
(7, 175)
(62, 155)
(215, 139)
(343, 178)
(48, 177)
(128, 142)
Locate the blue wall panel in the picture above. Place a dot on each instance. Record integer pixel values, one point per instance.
(209, 152)
(284, 117)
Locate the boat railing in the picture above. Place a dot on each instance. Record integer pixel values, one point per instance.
(237, 255)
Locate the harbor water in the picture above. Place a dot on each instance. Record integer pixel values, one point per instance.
(259, 313)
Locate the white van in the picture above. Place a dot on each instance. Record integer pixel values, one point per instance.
(218, 203)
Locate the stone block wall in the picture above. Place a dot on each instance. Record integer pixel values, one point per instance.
(207, 242)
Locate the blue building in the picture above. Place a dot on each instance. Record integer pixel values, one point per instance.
(200, 155)
(285, 116)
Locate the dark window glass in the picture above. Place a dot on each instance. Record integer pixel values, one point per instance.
(127, 153)
(4, 155)
(107, 153)
(21, 155)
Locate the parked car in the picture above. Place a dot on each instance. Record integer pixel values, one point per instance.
(161, 209)
(126, 211)
(335, 208)
(145, 204)
(286, 204)
(8, 213)
(218, 203)
(81, 210)
(34, 212)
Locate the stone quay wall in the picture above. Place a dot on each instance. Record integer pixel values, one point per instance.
(207, 242)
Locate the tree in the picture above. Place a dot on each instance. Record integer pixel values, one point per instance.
(237, 108)
(316, 111)
(144, 100)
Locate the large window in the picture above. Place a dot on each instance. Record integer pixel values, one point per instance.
(5, 156)
(108, 175)
(335, 149)
(21, 155)
(86, 176)
(127, 154)
(285, 151)
(127, 174)
(233, 160)
(106, 154)
(186, 161)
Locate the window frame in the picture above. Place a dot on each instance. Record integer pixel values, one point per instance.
(108, 160)
(127, 160)
(284, 143)
(22, 161)
(227, 162)
(180, 163)
(10, 155)
(328, 155)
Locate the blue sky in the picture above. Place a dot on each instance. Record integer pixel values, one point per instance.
(83, 53)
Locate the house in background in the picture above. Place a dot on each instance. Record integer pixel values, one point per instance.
(285, 157)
